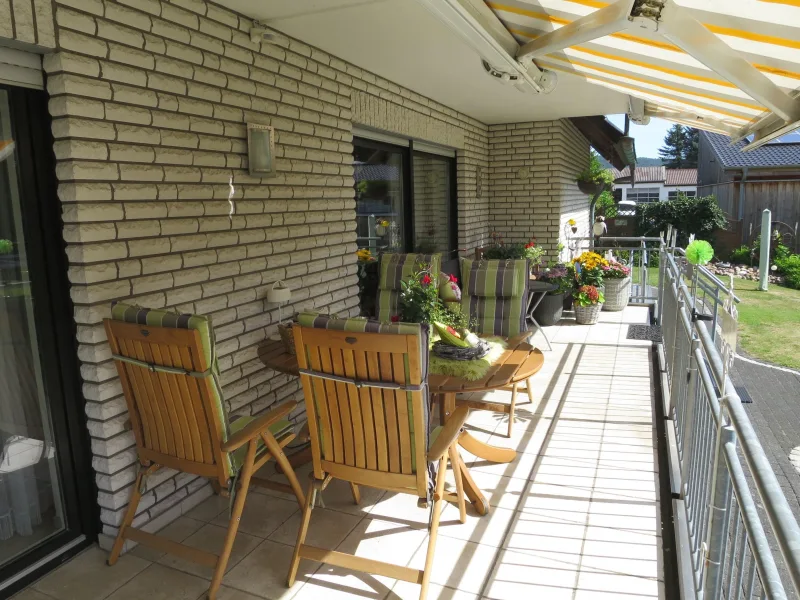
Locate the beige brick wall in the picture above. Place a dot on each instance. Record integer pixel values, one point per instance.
(149, 100)
(532, 172)
(28, 22)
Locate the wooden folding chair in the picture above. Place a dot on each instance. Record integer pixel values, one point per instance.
(167, 368)
(495, 295)
(365, 387)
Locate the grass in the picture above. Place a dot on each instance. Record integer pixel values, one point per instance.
(769, 322)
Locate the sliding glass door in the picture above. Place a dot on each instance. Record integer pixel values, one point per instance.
(39, 498)
(405, 199)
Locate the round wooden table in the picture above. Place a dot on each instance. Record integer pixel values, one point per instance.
(518, 363)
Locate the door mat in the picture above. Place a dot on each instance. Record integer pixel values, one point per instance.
(744, 395)
(644, 332)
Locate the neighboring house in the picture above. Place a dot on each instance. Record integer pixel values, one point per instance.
(653, 184)
(745, 183)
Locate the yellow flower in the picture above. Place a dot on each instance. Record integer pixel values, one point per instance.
(571, 222)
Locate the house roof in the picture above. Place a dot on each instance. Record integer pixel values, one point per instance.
(769, 155)
(681, 177)
(657, 174)
(641, 174)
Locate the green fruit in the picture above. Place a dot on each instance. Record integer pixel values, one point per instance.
(450, 336)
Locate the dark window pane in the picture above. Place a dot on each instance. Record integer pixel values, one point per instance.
(432, 189)
(378, 174)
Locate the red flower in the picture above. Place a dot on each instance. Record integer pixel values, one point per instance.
(453, 278)
(395, 318)
(530, 245)
(426, 279)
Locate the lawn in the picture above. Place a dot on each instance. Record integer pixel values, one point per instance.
(769, 323)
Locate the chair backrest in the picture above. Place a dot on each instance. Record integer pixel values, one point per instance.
(167, 368)
(495, 294)
(369, 434)
(394, 269)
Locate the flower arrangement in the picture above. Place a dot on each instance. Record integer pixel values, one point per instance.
(615, 270)
(420, 302)
(560, 276)
(364, 255)
(588, 295)
(589, 269)
(534, 253)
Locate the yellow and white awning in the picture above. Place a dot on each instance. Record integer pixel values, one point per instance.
(731, 66)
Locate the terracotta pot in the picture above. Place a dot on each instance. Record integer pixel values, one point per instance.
(550, 309)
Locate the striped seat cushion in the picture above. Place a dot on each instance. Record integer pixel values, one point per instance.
(496, 295)
(362, 325)
(394, 269)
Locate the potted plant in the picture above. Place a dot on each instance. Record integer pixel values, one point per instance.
(589, 269)
(617, 284)
(594, 179)
(551, 307)
(588, 304)
(534, 255)
(420, 302)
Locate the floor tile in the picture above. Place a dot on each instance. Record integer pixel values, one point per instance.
(262, 514)
(88, 577)
(263, 572)
(210, 538)
(31, 594)
(177, 531)
(327, 528)
(161, 583)
(458, 564)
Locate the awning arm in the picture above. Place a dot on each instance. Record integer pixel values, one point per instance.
(694, 38)
(690, 119)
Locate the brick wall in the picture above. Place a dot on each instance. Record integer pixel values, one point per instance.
(532, 172)
(28, 22)
(149, 101)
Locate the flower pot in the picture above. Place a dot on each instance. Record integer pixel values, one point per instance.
(587, 315)
(590, 187)
(549, 310)
(616, 294)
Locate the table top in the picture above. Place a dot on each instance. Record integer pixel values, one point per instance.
(517, 363)
(536, 285)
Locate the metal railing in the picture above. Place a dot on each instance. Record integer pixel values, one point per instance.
(734, 548)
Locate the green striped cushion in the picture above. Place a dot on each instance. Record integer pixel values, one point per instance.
(394, 269)
(496, 295)
(362, 325)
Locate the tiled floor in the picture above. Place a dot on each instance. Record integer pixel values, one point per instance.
(575, 516)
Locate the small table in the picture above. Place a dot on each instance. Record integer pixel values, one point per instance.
(519, 362)
(538, 290)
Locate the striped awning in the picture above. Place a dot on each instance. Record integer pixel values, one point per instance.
(679, 72)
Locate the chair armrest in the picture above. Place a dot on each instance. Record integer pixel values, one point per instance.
(449, 433)
(254, 429)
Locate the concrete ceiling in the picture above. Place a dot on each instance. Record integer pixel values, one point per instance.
(405, 43)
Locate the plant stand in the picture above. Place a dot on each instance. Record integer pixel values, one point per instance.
(550, 309)
(587, 315)
(616, 294)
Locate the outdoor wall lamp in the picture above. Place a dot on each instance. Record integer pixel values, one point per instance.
(261, 150)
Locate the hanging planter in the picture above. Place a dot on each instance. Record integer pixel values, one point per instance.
(591, 187)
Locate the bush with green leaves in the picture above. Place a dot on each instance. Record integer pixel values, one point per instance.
(741, 256)
(700, 216)
(595, 172)
(790, 267)
(504, 251)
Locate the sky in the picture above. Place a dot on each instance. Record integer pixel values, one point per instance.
(649, 138)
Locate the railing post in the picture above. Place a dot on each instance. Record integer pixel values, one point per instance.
(720, 498)
(662, 257)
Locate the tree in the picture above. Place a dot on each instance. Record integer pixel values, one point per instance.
(680, 147)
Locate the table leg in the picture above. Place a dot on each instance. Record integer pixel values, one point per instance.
(533, 306)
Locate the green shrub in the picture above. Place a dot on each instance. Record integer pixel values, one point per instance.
(699, 216)
(741, 256)
(790, 266)
(504, 251)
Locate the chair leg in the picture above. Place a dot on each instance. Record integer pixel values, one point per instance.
(356, 493)
(136, 496)
(236, 515)
(512, 408)
(301, 534)
(283, 462)
(437, 513)
(455, 464)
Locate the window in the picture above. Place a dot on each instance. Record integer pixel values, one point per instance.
(643, 195)
(405, 200)
(673, 194)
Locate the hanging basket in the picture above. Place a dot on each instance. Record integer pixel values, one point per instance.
(616, 294)
(590, 187)
(587, 315)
